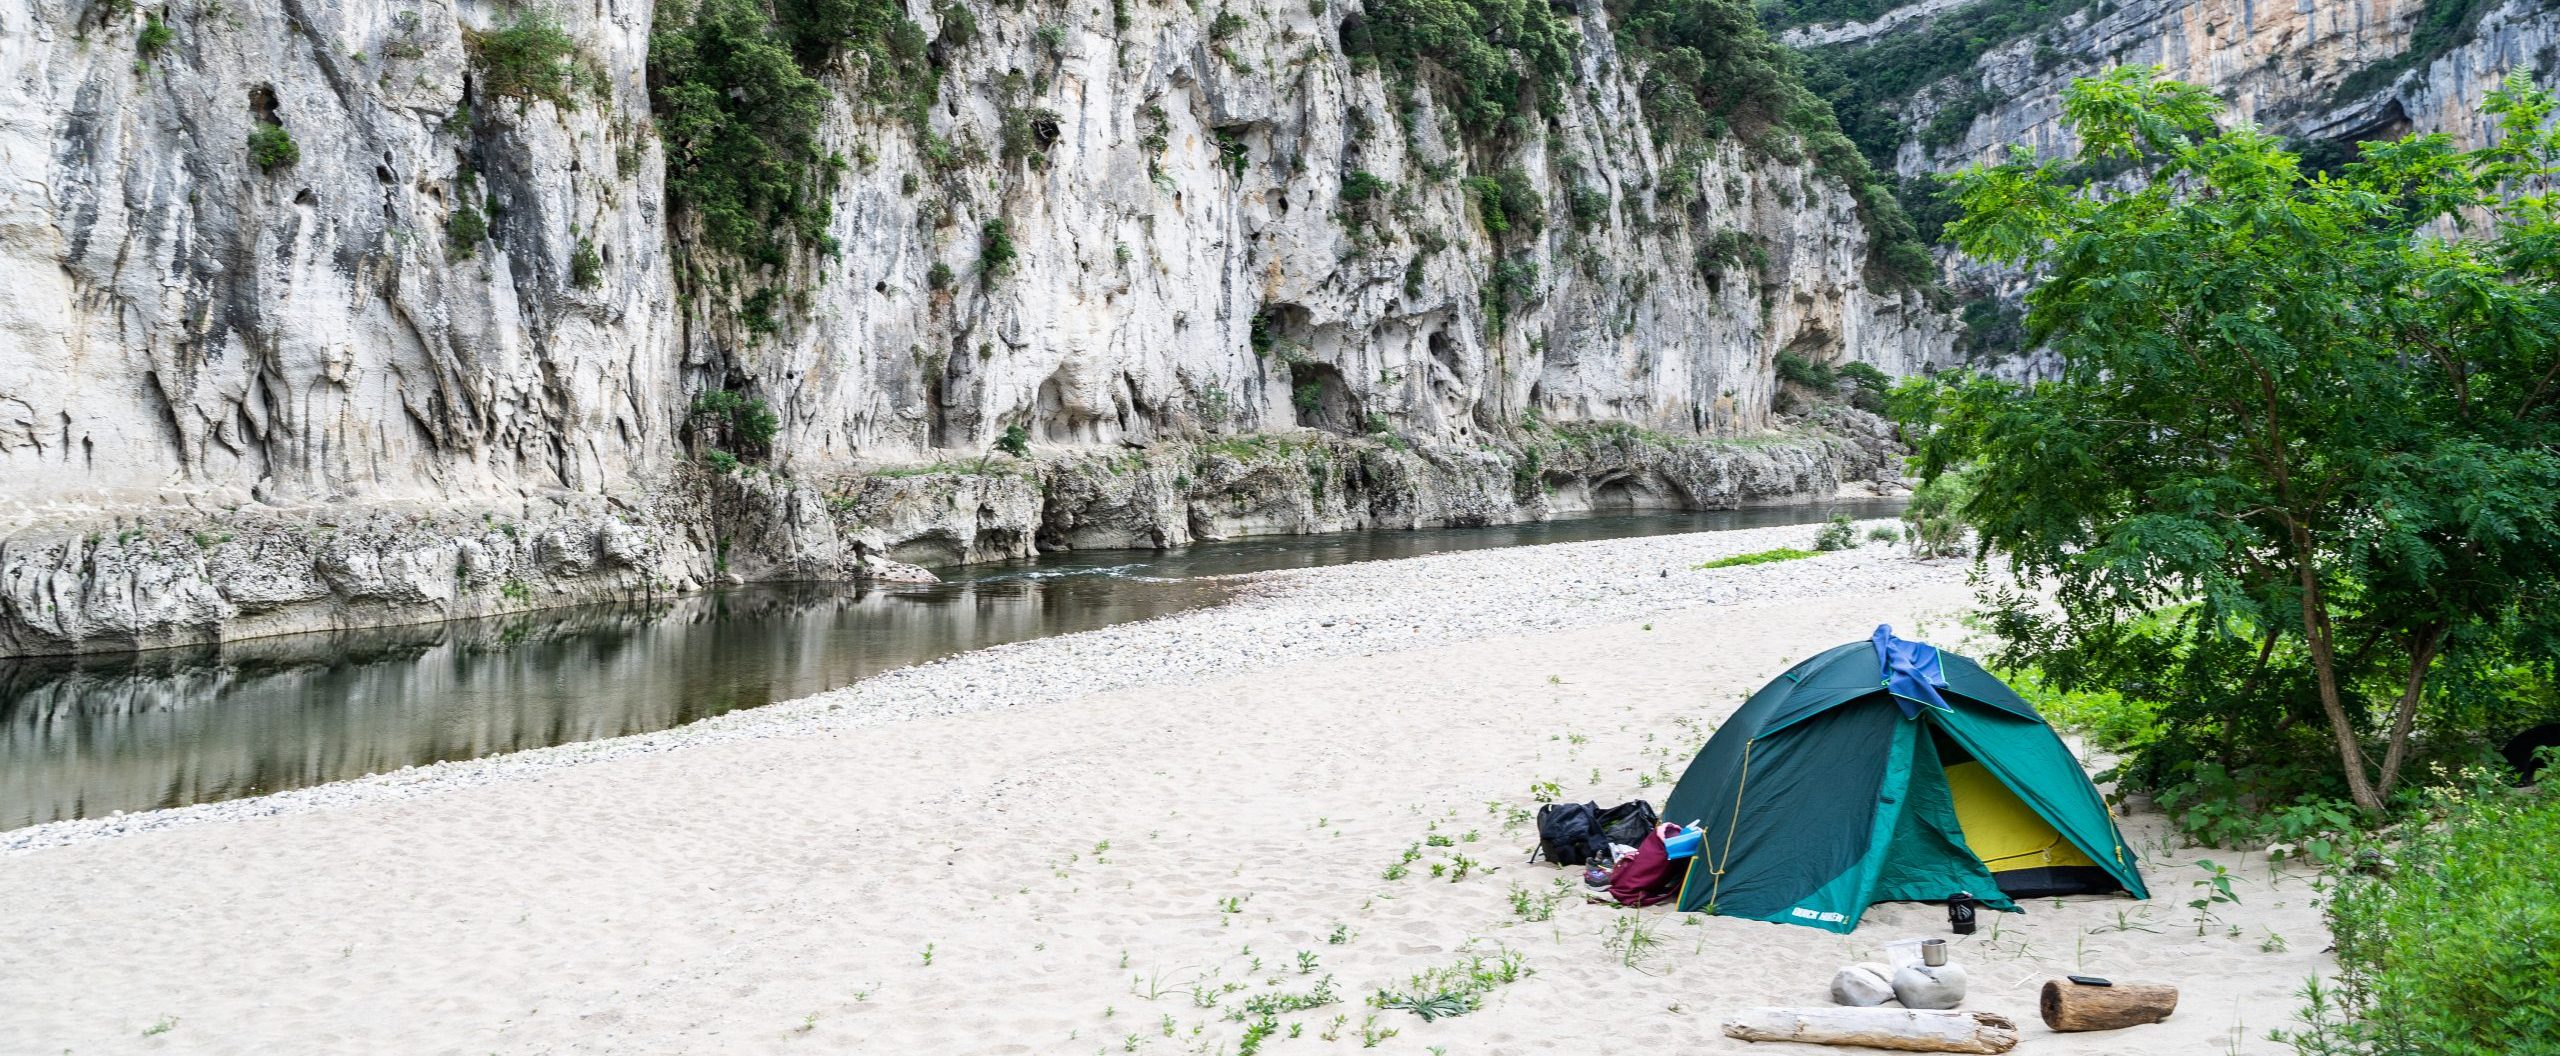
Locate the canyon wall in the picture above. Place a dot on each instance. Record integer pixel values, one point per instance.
(436, 358)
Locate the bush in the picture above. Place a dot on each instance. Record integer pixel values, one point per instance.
(270, 145)
(739, 117)
(1868, 386)
(1883, 533)
(464, 230)
(586, 266)
(530, 58)
(156, 36)
(1934, 520)
(1838, 534)
(735, 418)
(1362, 186)
(1016, 441)
(2452, 952)
(1812, 374)
(995, 249)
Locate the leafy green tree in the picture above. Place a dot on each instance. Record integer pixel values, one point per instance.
(2317, 417)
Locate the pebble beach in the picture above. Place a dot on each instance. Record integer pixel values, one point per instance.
(1234, 826)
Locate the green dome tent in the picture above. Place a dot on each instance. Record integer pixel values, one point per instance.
(1882, 771)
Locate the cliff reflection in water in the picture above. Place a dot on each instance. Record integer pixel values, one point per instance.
(85, 736)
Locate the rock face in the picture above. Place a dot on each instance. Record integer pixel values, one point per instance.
(200, 339)
(2326, 74)
(173, 577)
(2299, 69)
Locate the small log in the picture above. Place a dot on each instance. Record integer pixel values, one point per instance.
(2069, 1007)
(1902, 1029)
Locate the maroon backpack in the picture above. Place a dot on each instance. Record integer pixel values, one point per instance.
(1649, 875)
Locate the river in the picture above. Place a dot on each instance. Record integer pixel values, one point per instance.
(87, 736)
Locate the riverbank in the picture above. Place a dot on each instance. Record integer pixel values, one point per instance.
(203, 568)
(1077, 844)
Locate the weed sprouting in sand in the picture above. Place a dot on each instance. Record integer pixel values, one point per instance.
(1533, 907)
(1633, 938)
(1233, 903)
(1277, 1003)
(928, 955)
(1261, 1030)
(1306, 962)
(1394, 872)
(1342, 935)
(1371, 1035)
(1455, 989)
(160, 1026)
(2217, 892)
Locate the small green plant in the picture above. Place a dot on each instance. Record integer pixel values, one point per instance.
(1883, 533)
(160, 1026)
(1016, 441)
(1341, 936)
(927, 954)
(586, 266)
(1232, 903)
(1763, 557)
(1633, 938)
(721, 462)
(995, 250)
(155, 37)
(2216, 892)
(1397, 871)
(271, 146)
(465, 229)
(1836, 534)
(1372, 1035)
(1534, 907)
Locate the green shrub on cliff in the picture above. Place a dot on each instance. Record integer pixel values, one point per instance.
(530, 57)
(270, 145)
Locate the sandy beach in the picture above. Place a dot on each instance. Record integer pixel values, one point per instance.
(1113, 842)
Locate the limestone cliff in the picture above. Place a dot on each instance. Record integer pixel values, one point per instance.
(317, 316)
(1930, 87)
(2318, 71)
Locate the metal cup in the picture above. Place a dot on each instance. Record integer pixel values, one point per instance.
(1933, 952)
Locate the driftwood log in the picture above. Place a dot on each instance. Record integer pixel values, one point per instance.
(1907, 1030)
(2068, 1006)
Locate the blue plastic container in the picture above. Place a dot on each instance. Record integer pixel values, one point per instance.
(1686, 844)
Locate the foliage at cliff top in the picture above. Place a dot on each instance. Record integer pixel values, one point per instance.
(1711, 71)
(739, 104)
(1493, 59)
(2298, 487)
(1867, 84)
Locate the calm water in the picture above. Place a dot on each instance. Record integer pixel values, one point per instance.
(80, 737)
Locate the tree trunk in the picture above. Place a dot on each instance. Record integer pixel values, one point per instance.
(1906, 1030)
(2422, 655)
(2068, 1006)
(2324, 664)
